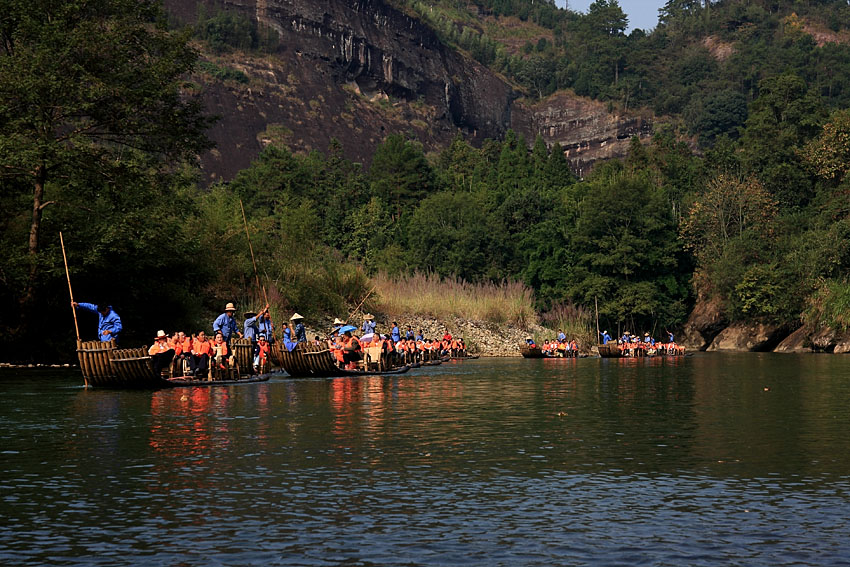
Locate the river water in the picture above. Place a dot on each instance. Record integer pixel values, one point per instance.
(707, 460)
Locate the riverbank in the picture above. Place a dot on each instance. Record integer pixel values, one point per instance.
(481, 337)
(709, 329)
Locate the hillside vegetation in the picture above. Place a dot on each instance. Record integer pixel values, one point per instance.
(756, 212)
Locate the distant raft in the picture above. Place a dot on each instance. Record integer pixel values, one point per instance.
(531, 351)
(310, 360)
(610, 350)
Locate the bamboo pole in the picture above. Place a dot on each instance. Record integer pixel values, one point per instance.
(71, 293)
(359, 305)
(254, 261)
(596, 308)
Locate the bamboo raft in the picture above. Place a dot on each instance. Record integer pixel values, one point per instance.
(105, 366)
(610, 350)
(310, 360)
(531, 352)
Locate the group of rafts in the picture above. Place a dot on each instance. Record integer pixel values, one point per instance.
(626, 346)
(104, 365)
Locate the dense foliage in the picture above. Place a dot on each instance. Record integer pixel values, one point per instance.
(98, 142)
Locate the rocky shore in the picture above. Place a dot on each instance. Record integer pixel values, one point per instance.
(708, 328)
(481, 337)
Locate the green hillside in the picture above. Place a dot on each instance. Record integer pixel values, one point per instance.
(744, 199)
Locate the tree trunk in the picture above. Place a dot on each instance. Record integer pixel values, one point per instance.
(38, 205)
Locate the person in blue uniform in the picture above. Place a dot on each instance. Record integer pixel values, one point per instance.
(368, 326)
(252, 325)
(226, 324)
(298, 330)
(266, 327)
(395, 334)
(108, 322)
(561, 336)
(605, 337)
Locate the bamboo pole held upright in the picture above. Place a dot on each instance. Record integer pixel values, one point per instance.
(254, 261)
(71, 293)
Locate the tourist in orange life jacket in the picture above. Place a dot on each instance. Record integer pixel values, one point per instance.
(182, 349)
(220, 352)
(351, 350)
(401, 348)
(161, 353)
(261, 352)
(199, 361)
(335, 346)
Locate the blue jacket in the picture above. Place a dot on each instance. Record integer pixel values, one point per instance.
(287, 340)
(251, 329)
(266, 327)
(227, 326)
(562, 337)
(300, 333)
(396, 334)
(110, 322)
(605, 338)
(368, 327)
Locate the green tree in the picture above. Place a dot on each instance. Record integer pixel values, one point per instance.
(85, 87)
(400, 174)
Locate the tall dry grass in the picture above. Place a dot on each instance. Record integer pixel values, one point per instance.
(577, 323)
(429, 295)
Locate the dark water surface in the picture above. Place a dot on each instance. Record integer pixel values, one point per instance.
(707, 460)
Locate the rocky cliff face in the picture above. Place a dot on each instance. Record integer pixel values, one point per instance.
(357, 70)
(584, 128)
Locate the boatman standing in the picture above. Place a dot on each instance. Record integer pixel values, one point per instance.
(605, 337)
(252, 325)
(299, 330)
(108, 323)
(561, 336)
(266, 326)
(368, 324)
(226, 324)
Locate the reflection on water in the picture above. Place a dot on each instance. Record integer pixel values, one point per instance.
(704, 460)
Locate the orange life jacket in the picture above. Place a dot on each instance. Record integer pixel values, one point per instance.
(264, 351)
(158, 347)
(201, 347)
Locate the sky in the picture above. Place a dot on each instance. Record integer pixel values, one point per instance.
(642, 14)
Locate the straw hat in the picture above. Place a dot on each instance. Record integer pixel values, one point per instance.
(338, 322)
(369, 317)
(230, 307)
(249, 314)
(295, 317)
(161, 335)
